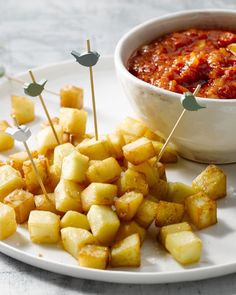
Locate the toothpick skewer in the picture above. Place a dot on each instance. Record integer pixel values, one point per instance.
(174, 128)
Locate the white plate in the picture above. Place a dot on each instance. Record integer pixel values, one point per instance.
(219, 255)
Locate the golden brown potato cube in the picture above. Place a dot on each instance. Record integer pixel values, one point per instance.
(67, 196)
(172, 228)
(169, 156)
(184, 246)
(107, 170)
(168, 213)
(75, 166)
(74, 239)
(46, 139)
(16, 160)
(94, 149)
(139, 150)
(146, 213)
(104, 223)
(60, 152)
(46, 204)
(23, 109)
(10, 179)
(98, 194)
(128, 138)
(178, 192)
(202, 210)
(153, 135)
(72, 97)
(44, 227)
(115, 143)
(30, 177)
(55, 121)
(8, 223)
(93, 256)
(126, 252)
(6, 140)
(53, 178)
(211, 181)
(133, 127)
(75, 219)
(159, 166)
(160, 190)
(128, 228)
(127, 205)
(131, 180)
(69, 119)
(22, 202)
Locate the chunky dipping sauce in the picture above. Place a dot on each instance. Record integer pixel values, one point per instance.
(180, 61)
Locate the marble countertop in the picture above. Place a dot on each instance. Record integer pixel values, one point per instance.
(34, 33)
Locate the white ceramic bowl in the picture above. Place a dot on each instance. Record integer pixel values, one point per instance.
(207, 135)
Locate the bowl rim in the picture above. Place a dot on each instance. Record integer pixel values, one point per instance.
(119, 64)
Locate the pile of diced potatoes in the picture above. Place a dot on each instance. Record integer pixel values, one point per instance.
(103, 195)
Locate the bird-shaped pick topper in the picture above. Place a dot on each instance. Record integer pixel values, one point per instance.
(2, 71)
(21, 133)
(190, 103)
(87, 59)
(34, 89)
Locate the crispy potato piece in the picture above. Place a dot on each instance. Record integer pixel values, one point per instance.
(169, 156)
(23, 109)
(211, 181)
(146, 213)
(107, 170)
(159, 166)
(72, 97)
(104, 223)
(153, 135)
(184, 246)
(94, 149)
(69, 119)
(132, 127)
(10, 179)
(178, 192)
(98, 194)
(16, 160)
(53, 178)
(55, 121)
(60, 152)
(128, 228)
(8, 223)
(115, 144)
(46, 139)
(127, 205)
(44, 227)
(75, 219)
(172, 228)
(22, 202)
(160, 190)
(126, 252)
(202, 210)
(46, 204)
(94, 256)
(6, 140)
(168, 213)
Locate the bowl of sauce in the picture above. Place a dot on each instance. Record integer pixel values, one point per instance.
(159, 60)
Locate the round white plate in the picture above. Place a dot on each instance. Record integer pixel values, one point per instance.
(219, 241)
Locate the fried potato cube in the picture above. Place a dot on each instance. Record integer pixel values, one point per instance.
(60, 152)
(6, 140)
(53, 178)
(55, 121)
(211, 181)
(75, 166)
(98, 194)
(94, 256)
(139, 150)
(22, 202)
(115, 143)
(131, 180)
(44, 227)
(107, 170)
(146, 213)
(46, 204)
(16, 160)
(153, 135)
(30, 177)
(178, 192)
(73, 121)
(202, 210)
(172, 228)
(10, 179)
(128, 228)
(75, 219)
(46, 140)
(159, 166)
(126, 252)
(94, 149)
(169, 213)
(74, 239)
(184, 246)
(128, 138)
(71, 97)
(160, 190)
(104, 223)
(133, 127)
(23, 109)
(127, 205)
(67, 196)
(8, 223)
(169, 156)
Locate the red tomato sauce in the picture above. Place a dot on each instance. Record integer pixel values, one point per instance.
(181, 60)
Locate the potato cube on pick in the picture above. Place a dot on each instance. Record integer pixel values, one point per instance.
(72, 97)
(8, 223)
(46, 140)
(60, 152)
(73, 121)
(22, 109)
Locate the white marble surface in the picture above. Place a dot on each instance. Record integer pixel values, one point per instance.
(34, 33)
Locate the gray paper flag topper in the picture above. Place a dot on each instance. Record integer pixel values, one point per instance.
(34, 89)
(21, 133)
(190, 103)
(87, 59)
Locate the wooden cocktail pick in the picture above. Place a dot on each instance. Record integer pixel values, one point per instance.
(35, 89)
(189, 103)
(22, 134)
(89, 59)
